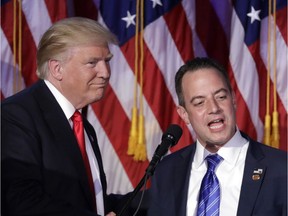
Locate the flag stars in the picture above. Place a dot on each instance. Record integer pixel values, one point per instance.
(156, 2)
(254, 14)
(129, 19)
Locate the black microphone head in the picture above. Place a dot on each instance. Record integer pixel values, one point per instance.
(173, 132)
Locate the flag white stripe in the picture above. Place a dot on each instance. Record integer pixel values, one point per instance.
(117, 179)
(189, 8)
(7, 72)
(248, 83)
(121, 75)
(281, 58)
(36, 13)
(165, 53)
(161, 45)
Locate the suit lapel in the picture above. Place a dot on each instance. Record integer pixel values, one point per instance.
(93, 139)
(181, 179)
(63, 135)
(254, 173)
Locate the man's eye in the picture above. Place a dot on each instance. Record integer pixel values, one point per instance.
(107, 60)
(92, 63)
(198, 103)
(222, 97)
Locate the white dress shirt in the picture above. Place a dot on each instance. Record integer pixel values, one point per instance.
(229, 173)
(69, 110)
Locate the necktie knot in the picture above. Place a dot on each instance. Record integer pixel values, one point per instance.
(78, 129)
(76, 117)
(213, 161)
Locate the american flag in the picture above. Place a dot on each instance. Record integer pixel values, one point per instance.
(233, 32)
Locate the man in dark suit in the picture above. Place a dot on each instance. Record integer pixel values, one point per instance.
(247, 178)
(43, 168)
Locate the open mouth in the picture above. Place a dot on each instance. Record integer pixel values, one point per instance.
(216, 124)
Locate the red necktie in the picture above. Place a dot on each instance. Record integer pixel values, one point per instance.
(79, 133)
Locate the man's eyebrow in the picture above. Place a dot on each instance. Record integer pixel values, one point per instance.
(109, 56)
(221, 90)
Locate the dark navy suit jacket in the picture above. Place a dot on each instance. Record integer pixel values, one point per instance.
(264, 197)
(42, 169)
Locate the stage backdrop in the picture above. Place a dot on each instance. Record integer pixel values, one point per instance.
(233, 32)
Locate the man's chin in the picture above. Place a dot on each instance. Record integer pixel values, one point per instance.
(96, 98)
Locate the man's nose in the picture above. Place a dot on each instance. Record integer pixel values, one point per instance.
(103, 69)
(213, 106)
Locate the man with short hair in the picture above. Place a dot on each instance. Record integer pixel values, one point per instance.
(225, 173)
(51, 162)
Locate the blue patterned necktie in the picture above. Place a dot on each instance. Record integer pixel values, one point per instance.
(209, 197)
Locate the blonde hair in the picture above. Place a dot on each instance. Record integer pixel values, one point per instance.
(68, 33)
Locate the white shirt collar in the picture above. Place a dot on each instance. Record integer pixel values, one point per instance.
(229, 152)
(66, 106)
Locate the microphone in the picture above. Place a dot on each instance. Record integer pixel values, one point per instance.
(169, 139)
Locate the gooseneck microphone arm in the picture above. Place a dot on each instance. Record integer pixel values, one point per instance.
(169, 138)
(134, 193)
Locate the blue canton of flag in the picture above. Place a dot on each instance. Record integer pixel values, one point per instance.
(120, 16)
(251, 13)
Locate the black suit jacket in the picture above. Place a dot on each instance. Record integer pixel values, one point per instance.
(42, 169)
(264, 197)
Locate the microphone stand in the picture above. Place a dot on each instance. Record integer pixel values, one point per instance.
(134, 193)
(149, 172)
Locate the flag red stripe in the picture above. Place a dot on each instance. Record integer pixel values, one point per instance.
(281, 20)
(180, 31)
(56, 9)
(211, 28)
(157, 95)
(212, 36)
(28, 45)
(160, 99)
(86, 8)
(243, 118)
(215, 43)
(117, 126)
(262, 75)
(282, 125)
(28, 61)
(7, 21)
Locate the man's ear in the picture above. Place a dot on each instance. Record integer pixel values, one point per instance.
(183, 114)
(55, 69)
